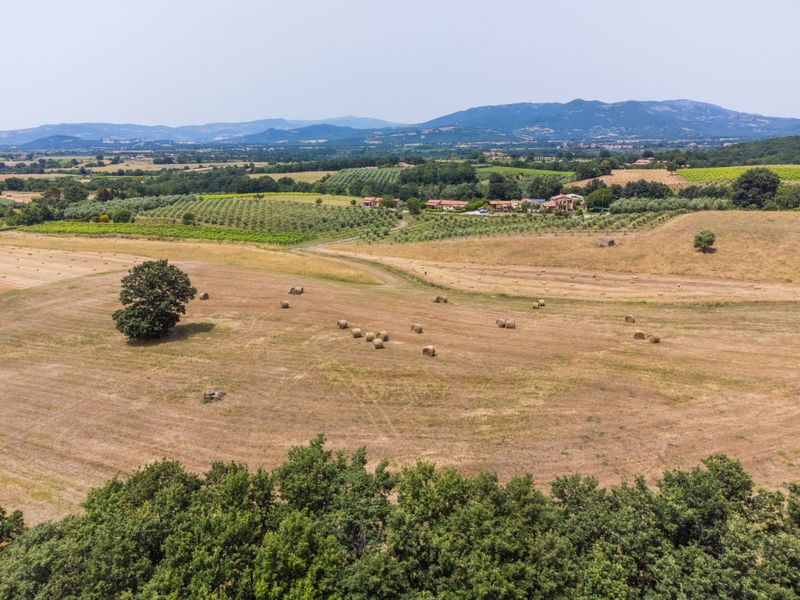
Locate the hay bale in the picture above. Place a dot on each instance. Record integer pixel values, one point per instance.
(416, 328)
(653, 339)
(384, 335)
(429, 351)
(296, 290)
(212, 396)
(639, 335)
(604, 242)
(369, 336)
(541, 303)
(440, 300)
(377, 343)
(535, 305)
(204, 296)
(500, 322)
(342, 324)
(284, 304)
(356, 332)
(630, 319)
(511, 324)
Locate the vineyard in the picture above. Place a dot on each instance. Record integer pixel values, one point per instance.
(161, 230)
(711, 174)
(639, 205)
(90, 209)
(441, 226)
(279, 216)
(346, 177)
(293, 196)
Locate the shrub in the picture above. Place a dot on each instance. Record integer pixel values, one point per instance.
(154, 296)
(104, 218)
(188, 218)
(704, 241)
(755, 187)
(121, 215)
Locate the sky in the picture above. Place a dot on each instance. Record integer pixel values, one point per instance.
(181, 62)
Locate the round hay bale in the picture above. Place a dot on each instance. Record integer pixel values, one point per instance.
(639, 335)
(296, 290)
(541, 303)
(384, 335)
(369, 336)
(416, 328)
(511, 324)
(342, 324)
(630, 319)
(204, 296)
(284, 304)
(653, 339)
(440, 300)
(500, 322)
(356, 332)
(377, 343)
(535, 305)
(429, 351)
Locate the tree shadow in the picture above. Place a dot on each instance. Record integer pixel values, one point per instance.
(179, 333)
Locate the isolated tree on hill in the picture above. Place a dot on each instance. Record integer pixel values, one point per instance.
(755, 187)
(154, 296)
(704, 241)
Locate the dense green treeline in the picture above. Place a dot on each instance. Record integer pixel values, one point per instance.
(323, 525)
(776, 151)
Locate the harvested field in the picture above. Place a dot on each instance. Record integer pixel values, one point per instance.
(568, 390)
(623, 176)
(19, 196)
(232, 255)
(746, 250)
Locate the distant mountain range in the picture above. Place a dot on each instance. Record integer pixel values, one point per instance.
(578, 120)
(209, 133)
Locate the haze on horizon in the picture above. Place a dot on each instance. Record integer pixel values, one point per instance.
(193, 62)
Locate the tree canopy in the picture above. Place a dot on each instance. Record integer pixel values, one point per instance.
(323, 525)
(154, 296)
(755, 187)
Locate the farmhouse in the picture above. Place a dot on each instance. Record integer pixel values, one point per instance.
(447, 204)
(563, 203)
(494, 154)
(512, 205)
(370, 201)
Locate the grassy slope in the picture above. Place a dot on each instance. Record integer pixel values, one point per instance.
(746, 242)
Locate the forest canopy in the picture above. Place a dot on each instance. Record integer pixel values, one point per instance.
(323, 525)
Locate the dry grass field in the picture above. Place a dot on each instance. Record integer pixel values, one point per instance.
(623, 176)
(18, 196)
(568, 390)
(751, 246)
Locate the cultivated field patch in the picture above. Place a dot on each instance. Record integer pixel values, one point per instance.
(728, 174)
(624, 176)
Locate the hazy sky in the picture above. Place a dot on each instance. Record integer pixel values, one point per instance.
(177, 62)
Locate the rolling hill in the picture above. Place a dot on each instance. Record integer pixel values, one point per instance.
(578, 120)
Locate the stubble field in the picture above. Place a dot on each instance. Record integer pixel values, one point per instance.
(568, 390)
